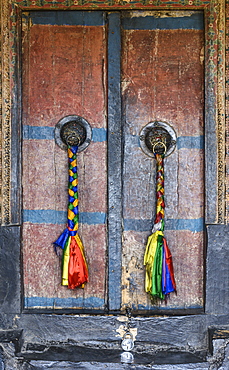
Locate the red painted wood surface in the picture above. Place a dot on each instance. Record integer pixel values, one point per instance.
(63, 74)
(163, 80)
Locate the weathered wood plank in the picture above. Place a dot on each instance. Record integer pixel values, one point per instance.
(114, 162)
(162, 79)
(64, 63)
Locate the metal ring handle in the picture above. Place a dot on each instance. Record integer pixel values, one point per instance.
(159, 143)
(155, 132)
(79, 126)
(73, 136)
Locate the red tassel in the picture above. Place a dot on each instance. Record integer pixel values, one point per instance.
(77, 269)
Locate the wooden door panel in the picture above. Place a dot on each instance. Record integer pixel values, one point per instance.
(64, 73)
(162, 79)
(64, 61)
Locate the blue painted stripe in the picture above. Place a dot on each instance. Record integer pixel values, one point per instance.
(47, 133)
(38, 132)
(43, 302)
(68, 17)
(88, 303)
(194, 225)
(92, 218)
(183, 142)
(141, 307)
(195, 21)
(42, 216)
(190, 142)
(100, 135)
(49, 216)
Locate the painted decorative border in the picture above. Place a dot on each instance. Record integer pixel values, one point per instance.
(5, 170)
(215, 86)
(227, 108)
(221, 119)
(117, 4)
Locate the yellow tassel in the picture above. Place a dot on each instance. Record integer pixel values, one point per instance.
(149, 258)
(66, 257)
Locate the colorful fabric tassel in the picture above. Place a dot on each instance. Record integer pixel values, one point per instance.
(159, 280)
(74, 266)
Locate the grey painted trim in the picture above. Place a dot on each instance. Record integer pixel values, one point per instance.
(10, 274)
(114, 162)
(211, 148)
(15, 150)
(211, 163)
(217, 272)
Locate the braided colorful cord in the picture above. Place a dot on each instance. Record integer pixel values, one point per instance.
(74, 266)
(159, 280)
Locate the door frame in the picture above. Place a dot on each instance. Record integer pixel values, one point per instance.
(214, 12)
(33, 326)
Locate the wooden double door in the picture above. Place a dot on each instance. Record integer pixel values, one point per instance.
(119, 71)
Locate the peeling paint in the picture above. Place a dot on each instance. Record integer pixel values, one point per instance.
(166, 77)
(125, 85)
(161, 14)
(122, 318)
(202, 55)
